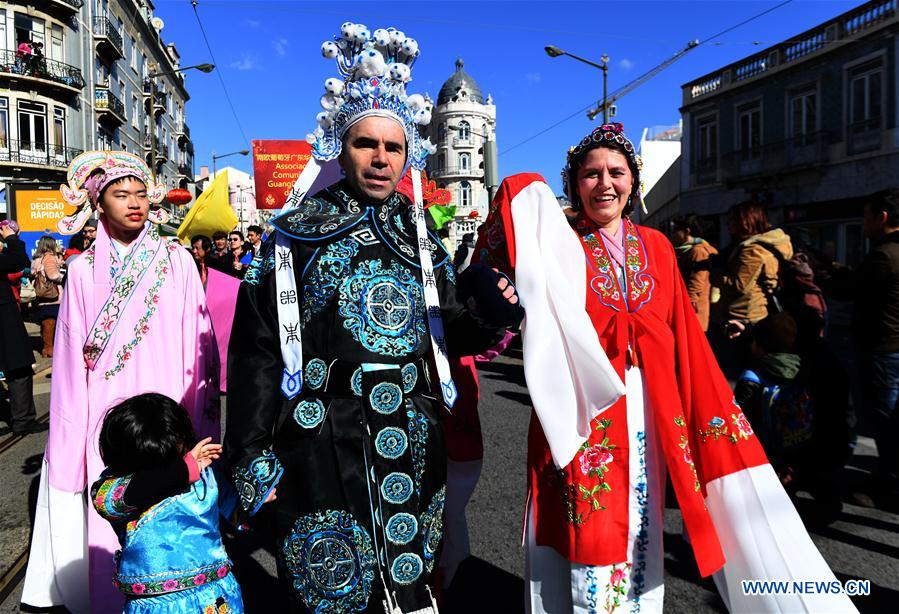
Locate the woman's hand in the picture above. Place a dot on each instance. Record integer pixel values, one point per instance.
(205, 452)
(271, 496)
(734, 328)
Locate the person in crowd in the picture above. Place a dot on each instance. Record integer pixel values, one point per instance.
(15, 348)
(642, 396)
(254, 238)
(133, 319)
(240, 254)
(147, 443)
(876, 334)
(37, 58)
(23, 55)
(77, 244)
(798, 404)
(348, 319)
(89, 232)
(464, 252)
(201, 250)
(694, 259)
(220, 245)
(749, 281)
(47, 273)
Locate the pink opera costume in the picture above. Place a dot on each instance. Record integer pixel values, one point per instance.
(133, 320)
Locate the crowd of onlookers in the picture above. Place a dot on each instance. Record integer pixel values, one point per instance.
(227, 252)
(763, 302)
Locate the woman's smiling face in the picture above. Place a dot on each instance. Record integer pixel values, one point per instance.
(604, 184)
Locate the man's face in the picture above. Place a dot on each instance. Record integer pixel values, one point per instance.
(373, 156)
(234, 242)
(253, 238)
(221, 243)
(196, 248)
(90, 233)
(126, 207)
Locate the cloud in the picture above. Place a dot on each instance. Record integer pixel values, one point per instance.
(245, 63)
(253, 23)
(533, 77)
(280, 46)
(625, 64)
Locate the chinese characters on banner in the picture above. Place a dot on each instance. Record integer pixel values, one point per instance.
(276, 166)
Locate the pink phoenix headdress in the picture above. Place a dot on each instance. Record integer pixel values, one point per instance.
(92, 171)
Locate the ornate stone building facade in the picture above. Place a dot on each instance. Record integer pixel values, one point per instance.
(463, 120)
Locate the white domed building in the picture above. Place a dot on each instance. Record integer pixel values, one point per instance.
(462, 121)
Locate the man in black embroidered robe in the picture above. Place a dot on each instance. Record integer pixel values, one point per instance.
(359, 508)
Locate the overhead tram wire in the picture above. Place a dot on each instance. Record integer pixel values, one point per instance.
(702, 42)
(243, 134)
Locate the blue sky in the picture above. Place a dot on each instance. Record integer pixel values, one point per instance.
(268, 56)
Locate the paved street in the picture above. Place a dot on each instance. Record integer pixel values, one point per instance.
(863, 543)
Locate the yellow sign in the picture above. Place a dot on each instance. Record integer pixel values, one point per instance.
(39, 210)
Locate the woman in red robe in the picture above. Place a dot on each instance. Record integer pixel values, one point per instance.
(626, 389)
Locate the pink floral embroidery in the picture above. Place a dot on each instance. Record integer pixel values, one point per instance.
(137, 588)
(118, 492)
(617, 586)
(222, 571)
(742, 424)
(594, 458)
(170, 585)
(199, 579)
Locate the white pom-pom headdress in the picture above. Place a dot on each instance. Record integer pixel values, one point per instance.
(375, 66)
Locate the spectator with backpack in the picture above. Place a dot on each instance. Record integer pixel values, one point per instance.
(750, 280)
(47, 273)
(798, 405)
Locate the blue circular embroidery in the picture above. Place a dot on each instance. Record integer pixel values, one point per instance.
(401, 528)
(331, 561)
(391, 442)
(383, 308)
(316, 370)
(410, 377)
(356, 382)
(385, 397)
(309, 413)
(406, 568)
(396, 488)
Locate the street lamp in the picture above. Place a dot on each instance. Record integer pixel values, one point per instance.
(206, 68)
(491, 171)
(242, 152)
(554, 52)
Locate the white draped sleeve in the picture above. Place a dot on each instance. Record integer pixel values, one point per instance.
(764, 539)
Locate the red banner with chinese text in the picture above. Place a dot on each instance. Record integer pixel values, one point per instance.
(276, 167)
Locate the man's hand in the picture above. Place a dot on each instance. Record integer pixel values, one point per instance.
(205, 452)
(734, 328)
(271, 496)
(506, 289)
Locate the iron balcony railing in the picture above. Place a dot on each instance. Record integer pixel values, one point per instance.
(103, 28)
(40, 68)
(104, 100)
(828, 35)
(183, 129)
(71, 4)
(42, 154)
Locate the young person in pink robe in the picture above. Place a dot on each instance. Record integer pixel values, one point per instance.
(133, 320)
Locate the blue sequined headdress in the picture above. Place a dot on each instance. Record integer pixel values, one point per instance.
(375, 68)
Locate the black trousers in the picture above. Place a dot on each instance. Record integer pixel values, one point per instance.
(21, 398)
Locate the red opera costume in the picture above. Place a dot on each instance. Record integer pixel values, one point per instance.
(596, 478)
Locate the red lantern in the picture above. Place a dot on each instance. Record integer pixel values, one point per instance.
(179, 197)
(474, 215)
